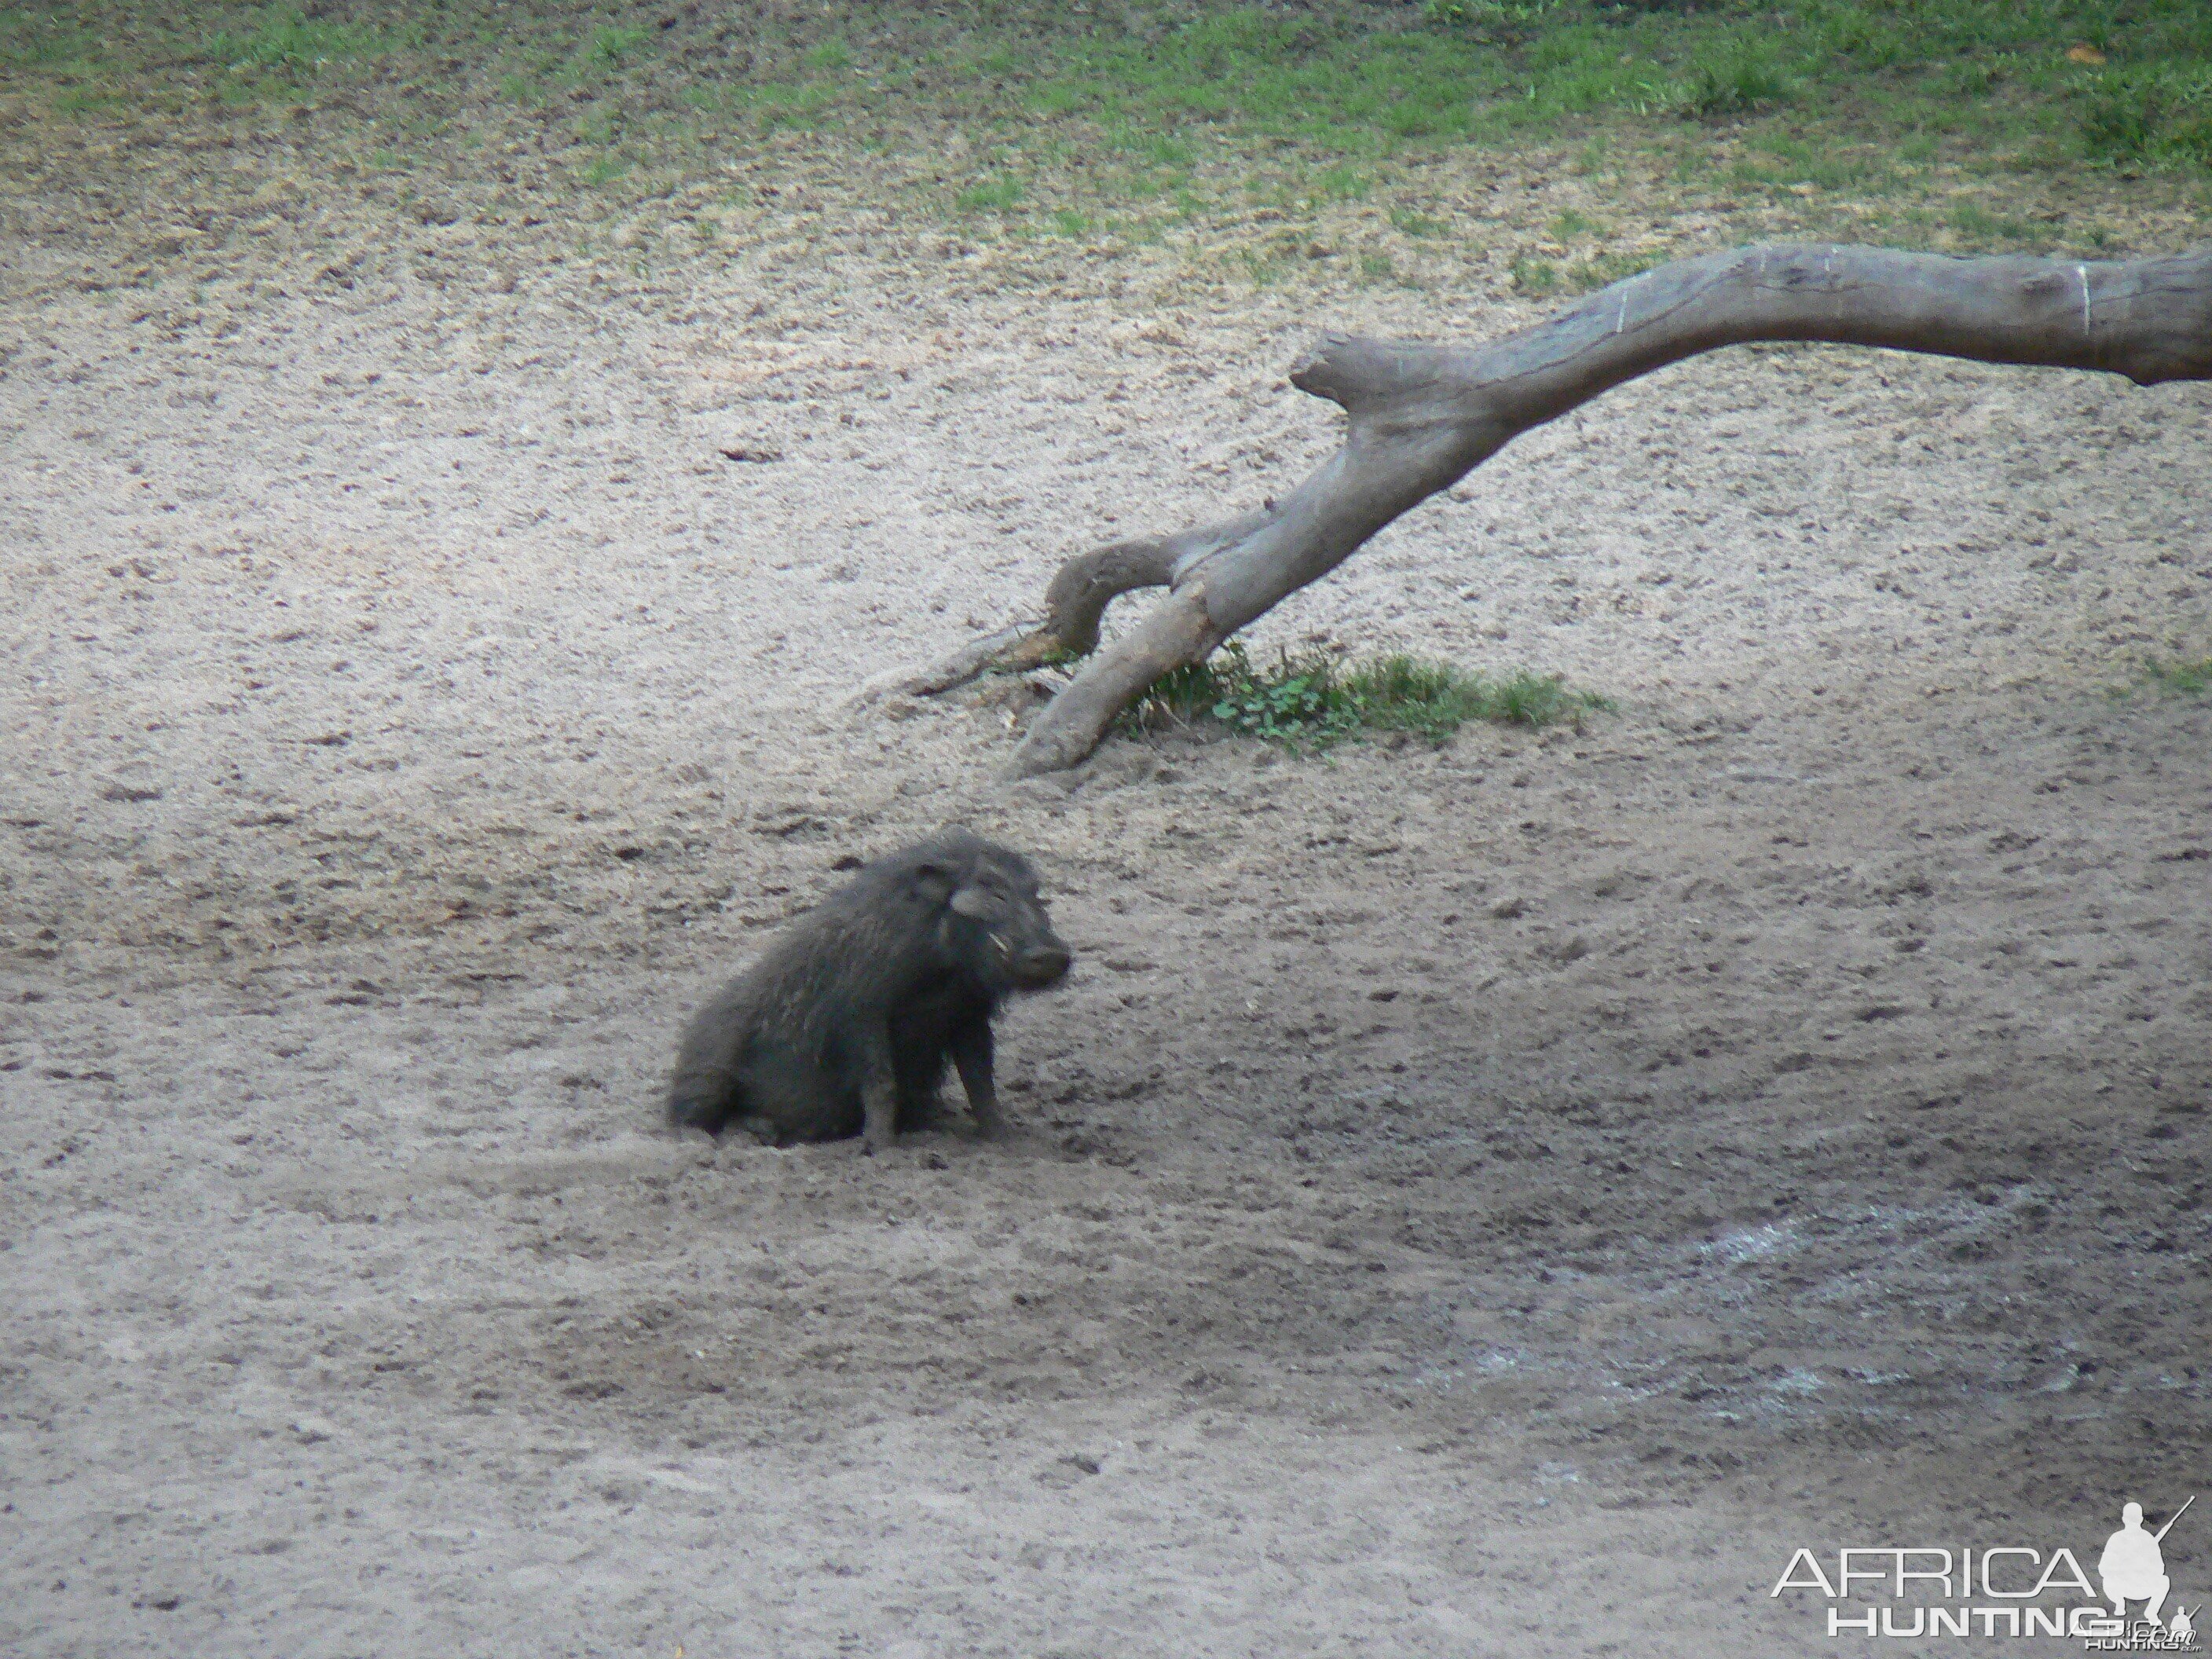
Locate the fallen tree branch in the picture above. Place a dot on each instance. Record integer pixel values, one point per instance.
(1080, 592)
(1423, 416)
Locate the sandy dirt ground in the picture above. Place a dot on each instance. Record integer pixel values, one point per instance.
(1494, 1198)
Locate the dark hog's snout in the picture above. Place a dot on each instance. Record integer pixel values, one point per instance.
(1036, 956)
(1043, 962)
(996, 923)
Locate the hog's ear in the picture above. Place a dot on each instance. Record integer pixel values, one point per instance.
(934, 883)
(975, 902)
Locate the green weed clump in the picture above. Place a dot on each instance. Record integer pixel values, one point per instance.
(1534, 277)
(2149, 115)
(989, 196)
(1313, 701)
(35, 38)
(1603, 270)
(1492, 16)
(2179, 679)
(1737, 78)
(285, 47)
(2188, 679)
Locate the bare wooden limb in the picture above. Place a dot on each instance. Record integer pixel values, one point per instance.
(1174, 632)
(1422, 416)
(1009, 648)
(1084, 586)
(1080, 592)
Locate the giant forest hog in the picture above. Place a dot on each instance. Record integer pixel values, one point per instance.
(845, 1025)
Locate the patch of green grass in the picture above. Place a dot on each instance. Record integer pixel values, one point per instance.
(1533, 277)
(2188, 679)
(40, 37)
(603, 168)
(283, 48)
(2149, 115)
(1068, 223)
(1342, 183)
(84, 101)
(1261, 268)
(614, 44)
(1969, 78)
(1159, 112)
(772, 105)
(1488, 15)
(1487, 68)
(1977, 224)
(989, 196)
(1735, 76)
(1314, 701)
(1377, 268)
(1324, 78)
(1603, 270)
(1157, 149)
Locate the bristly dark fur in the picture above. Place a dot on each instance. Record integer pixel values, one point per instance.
(881, 985)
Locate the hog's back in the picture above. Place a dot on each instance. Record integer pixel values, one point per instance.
(768, 1052)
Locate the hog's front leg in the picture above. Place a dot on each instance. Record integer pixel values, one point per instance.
(878, 1090)
(972, 1055)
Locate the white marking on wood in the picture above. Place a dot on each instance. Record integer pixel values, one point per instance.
(2082, 273)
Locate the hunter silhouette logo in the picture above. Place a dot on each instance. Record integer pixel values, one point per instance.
(2008, 1589)
(2132, 1567)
